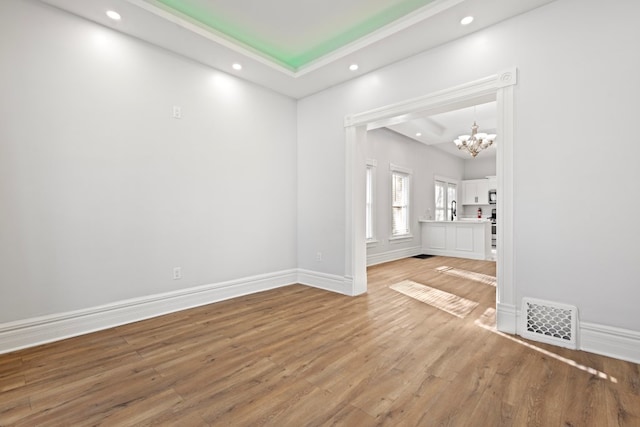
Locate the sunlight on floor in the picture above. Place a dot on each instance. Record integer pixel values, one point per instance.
(465, 274)
(460, 307)
(441, 300)
(487, 321)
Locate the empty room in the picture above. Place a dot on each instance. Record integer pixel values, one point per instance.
(296, 213)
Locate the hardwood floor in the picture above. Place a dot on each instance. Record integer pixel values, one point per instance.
(299, 356)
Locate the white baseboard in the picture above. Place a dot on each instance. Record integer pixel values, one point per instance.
(41, 330)
(609, 341)
(328, 282)
(373, 259)
(604, 340)
(506, 318)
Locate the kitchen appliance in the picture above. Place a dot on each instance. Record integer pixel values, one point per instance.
(493, 197)
(493, 220)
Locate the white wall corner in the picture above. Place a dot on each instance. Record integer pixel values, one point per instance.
(328, 282)
(507, 318)
(609, 341)
(35, 331)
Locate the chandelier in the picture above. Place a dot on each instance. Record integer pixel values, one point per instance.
(476, 142)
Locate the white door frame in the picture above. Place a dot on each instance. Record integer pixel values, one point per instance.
(498, 87)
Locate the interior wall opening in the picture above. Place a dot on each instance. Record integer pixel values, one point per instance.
(439, 175)
(497, 88)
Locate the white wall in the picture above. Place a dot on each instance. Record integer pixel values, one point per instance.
(575, 107)
(482, 166)
(102, 192)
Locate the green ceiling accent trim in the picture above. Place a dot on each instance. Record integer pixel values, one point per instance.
(220, 25)
(280, 53)
(364, 28)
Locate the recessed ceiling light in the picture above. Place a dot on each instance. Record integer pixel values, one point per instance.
(418, 134)
(466, 20)
(237, 66)
(113, 15)
(353, 67)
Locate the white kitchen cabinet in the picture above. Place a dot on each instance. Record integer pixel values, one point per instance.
(493, 182)
(475, 192)
(462, 239)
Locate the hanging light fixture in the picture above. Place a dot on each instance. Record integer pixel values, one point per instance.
(476, 142)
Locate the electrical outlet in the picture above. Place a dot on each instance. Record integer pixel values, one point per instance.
(177, 112)
(177, 273)
(318, 256)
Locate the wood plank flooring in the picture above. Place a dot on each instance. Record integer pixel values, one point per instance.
(299, 356)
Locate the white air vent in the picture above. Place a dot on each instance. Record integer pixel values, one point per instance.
(549, 322)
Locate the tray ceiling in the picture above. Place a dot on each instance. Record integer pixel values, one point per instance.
(295, 33)
(297, 47)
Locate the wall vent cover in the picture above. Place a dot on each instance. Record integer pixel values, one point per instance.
(550, 322)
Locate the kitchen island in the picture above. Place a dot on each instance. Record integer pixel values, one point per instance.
(464, 238)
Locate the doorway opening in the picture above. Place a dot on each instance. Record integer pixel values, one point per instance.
(498, 87)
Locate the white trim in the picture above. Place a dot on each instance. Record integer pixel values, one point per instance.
(401, 237)
(40, 330)
(506, 318)
(484, 89)
(400, 24)
(623, 344)
(401, 169)
(498, 87)
(609, 341)
(186, 22)
(505, 267)
(328, 282)
(425, 12)
(446, 179)
(355, 249)
(372, 170)
(45, 329)
(394, 255)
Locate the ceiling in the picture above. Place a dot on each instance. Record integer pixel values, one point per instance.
(297, 47)
(295, 33)
(440, 130)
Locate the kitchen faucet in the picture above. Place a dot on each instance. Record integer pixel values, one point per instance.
(454, 204)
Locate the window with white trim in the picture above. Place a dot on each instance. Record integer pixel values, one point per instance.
(446, 192)
(400, 201)
(370, 201)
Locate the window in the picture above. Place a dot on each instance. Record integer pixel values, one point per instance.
(441, 201)
(400, 194)
(446, 192)
(370, 188)
(400, 204)
(451, 196)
